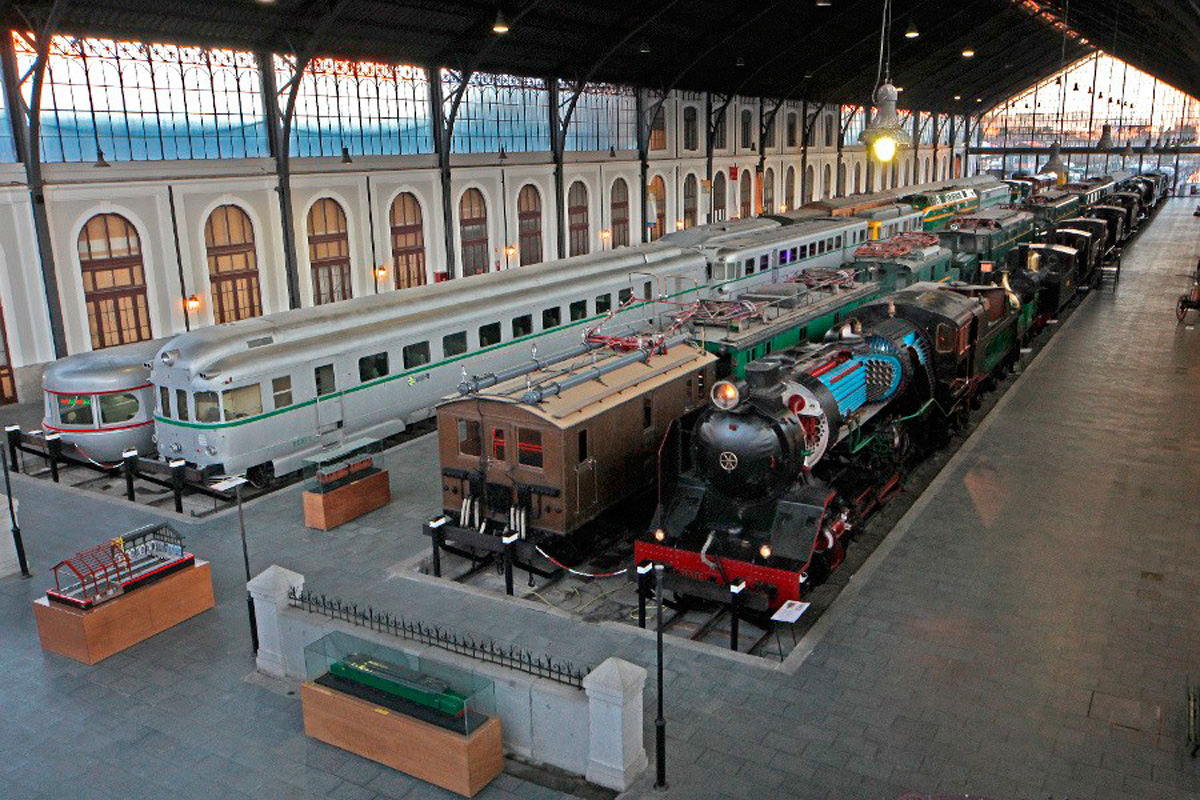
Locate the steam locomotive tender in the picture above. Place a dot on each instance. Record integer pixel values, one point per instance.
(785, 465)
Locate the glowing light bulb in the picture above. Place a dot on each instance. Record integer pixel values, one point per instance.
(884, 148)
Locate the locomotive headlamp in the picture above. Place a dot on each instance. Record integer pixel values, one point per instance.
(725, 395)
(765, 551)
(660, 534)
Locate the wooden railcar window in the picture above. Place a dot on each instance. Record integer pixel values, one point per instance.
(648, 412)
(583, 446)
(232, 264)
(529, 447)
(498, 444)
(470, 439)
(114, 281)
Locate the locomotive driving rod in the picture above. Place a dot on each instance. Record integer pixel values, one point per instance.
(537, 394)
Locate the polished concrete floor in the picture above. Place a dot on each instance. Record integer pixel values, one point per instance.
(1025, 632)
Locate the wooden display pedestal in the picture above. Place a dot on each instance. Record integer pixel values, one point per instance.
(96, 633)
(461, 764)
(339, 506)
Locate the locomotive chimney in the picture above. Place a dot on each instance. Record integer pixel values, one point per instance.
(763, 375)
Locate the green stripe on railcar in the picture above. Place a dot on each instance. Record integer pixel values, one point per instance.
(400, 682)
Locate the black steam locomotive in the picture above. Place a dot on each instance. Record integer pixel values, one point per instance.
(780, 469)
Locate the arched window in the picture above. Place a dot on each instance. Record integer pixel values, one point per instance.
(691, 188)
(829, 131)
(529, 224)
(232, 264)
(810, 176)
(789, 188)
(329, 251)
(719, 137)
(769, 191)
(827, 182)
(746, 193)
(841, 180)
(408, 241)
(870, 184)
(577, 219)
(620, 213)
(747, 129)
(718, 197)
(473, 232)
(658, 130)
(691, 129)
(791, 129)
(658, 207)
(114, 281)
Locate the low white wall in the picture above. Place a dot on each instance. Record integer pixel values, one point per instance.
(594, 732)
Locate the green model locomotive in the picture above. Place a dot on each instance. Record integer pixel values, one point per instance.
(400, 682)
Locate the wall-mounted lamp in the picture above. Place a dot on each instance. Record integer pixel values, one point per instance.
(968, 53)
(679, 224)
(500, 26)
(380, 273)
(346, 159)
(605, 234)
(510, 250)
(503, 153)
(612, 151)
(912, 32)
(193, 303)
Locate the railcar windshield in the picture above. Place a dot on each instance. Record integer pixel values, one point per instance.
(75, 409)
(207, 408)
(240, 403)
(118, 408)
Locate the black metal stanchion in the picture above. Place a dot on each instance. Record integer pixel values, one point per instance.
(18, 542)
(53, 448)
(735, 593)
(660, 723)
(177, 466)
(235, 483)
(508, 541)
(13, 434)
(437, 538)
(643, 588)
(129, 459)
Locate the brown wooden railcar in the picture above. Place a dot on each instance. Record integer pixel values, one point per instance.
(552, 466)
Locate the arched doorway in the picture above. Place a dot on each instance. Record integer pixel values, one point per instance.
(620, 213)
(691, 191)
(809, 178)
(657, 200)
(473, 233)
(746, 196)
(579, 240)
(841, 179)
(857, 177)
(827, 182)
(232, 264)
(408, 242)
(769, 191)
(114, 281)
(329, 252)
(789, 188)
(529, 225)
(718, 197)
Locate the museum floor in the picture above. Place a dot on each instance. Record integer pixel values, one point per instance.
(1025, 632)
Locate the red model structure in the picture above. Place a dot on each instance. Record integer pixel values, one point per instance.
(108, 570)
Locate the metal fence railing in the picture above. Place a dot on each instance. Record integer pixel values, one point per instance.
(543, 666)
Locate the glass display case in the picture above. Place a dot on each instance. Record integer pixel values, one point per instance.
(343, 465)
(449, 697)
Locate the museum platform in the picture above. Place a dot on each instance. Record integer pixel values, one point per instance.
(1025, 631)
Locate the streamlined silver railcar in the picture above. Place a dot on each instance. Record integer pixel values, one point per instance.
(102, 403)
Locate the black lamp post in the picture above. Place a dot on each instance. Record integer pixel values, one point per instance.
(660, 723)
(18, 543)
(236, 482)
